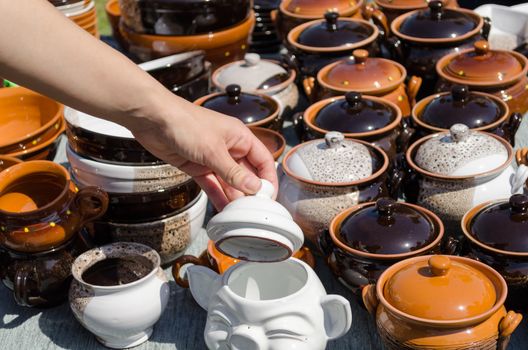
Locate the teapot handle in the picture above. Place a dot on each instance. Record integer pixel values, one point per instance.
(21, 288)
(299, 127)
(412, 88)
(508, 129)
(507, 326)
(486, 28)
(92, 203)
(309, 88)
(370, 299)
(378, 17)
(188, 259)
(395, 48)
(306, 255)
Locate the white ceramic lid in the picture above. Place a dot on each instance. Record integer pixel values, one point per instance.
(96, 125)
(256, 228)
(249, 74)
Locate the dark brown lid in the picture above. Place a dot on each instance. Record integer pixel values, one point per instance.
(475, 110)
(436, 22)
(355, 114)
(249, 108)
(333, 32)
(503, 225)
(404, 4)
(387, 227)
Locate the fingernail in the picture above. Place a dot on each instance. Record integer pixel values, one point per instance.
(252, 184)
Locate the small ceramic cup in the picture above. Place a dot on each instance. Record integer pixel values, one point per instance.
(120, 310)
(40, 207)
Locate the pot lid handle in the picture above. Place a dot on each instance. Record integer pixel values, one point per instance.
(266, 189)
(354, 101)
(459, 132)
(233, 92)
(437, 9)
(360, 55)
(252, 59)
(519, 204)
(331, 20)
(334, 139)
(481, 47)
(385, 206)
(439, 265)
(460, 92)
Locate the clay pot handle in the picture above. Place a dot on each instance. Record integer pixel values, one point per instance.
(184, 260)
(370, 299)
(521, 156)
(404, 139)
(309, 87)
(451, 246)
(508, 324)
(486, 27)
(306, 255)
(412, 89)
(299, 126)
(92, 203)
(21, 288)
(378, 17)
(508, 129)
(395, 47)
(273, 15)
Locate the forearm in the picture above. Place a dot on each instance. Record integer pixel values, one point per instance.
(48, 53)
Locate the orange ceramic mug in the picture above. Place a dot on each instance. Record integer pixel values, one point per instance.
(40, 207)
(219, 262)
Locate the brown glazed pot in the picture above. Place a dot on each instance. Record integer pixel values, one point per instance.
(370, 237)
(497, 72)
(274, 142)
(422, 37)
(40, 207)
(447, 302)
(356, 116)
(480, 111)
(395, 8)
(40, 279)
(315, 44)
(370, 76)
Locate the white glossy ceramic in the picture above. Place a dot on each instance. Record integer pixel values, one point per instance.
(509, 25)
(167, 61)
(96, 125)
(120, 316)
(271, 306)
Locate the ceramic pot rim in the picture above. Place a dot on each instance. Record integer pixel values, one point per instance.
(339, 218)
(311, 112)
(10, 159)
(344, 13)
(395, 28)
(276, 155)
(17, 91)
(410, 153)
(295, 32)
(42, 145)
(420, 106)
(261, 122)
(401, 7)
(466, 226)
(156, 262)
(368, 91)
(444, 61)
(276, 88)
(487, 270)
(27, 168)
(372, 177)
(112, 8)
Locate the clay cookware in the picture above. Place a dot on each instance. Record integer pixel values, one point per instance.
(274, 142)
(252, 109)
(315, 44)
(425, 36)
(441, 302)
(395, 8)
(357, 116)
(495, 232)
(6, 162)
(498, 72)
(368, 238)
(40, 208)
(477, 110)
(370, 76)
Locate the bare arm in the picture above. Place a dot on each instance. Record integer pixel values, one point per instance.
(44, 51)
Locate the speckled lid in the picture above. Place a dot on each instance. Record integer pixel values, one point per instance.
(333, 159)
(461, 152)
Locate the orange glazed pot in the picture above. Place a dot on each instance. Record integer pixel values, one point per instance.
(441, 302)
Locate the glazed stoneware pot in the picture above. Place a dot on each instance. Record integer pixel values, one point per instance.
(253, 109)
(42, 149)
(40, 207)
(274, 142)
(441, 302)
(395, 8)
(40, 279)
(370, 76)
(254, 74)
(451, 172)
(6, 162)
(119, 292)
(320, 178)
(422, 37)
(357, 116)
(368, 238)
(181, 17)
(494, 232)
(498, 72)
(318, 43)
(479, 111)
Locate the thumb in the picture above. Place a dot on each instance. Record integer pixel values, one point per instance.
(234, 174)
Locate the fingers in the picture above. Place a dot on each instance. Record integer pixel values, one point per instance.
(209, 183)
(261, 159)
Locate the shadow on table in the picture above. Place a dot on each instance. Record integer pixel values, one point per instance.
(11, 314)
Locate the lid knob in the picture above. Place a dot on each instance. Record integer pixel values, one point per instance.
(360, 55)
(385, 206)
(331, 20)
(436, 8)
(252, 59)
(519, 203)
(459, 132)
(233, 92)
(481, 47)
(460, 92)
(439, 265)
(334, 139)
(354, 100)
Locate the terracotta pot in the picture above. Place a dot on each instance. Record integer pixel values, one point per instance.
(273, 141)
(422, 37)
(252, 109)
(41, 208)
(498, 72)
(480, 111)
(447, 302)
(357, 116)
(395, 8)
(369, 76)
(368, 238)
(6, 162)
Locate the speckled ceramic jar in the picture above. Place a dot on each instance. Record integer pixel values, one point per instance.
(120, 316)
(322, 177)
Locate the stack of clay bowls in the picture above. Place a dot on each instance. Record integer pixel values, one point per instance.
(82, 12)
(159, 28)
(30, 124)
(151, 202)
(265, 38)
